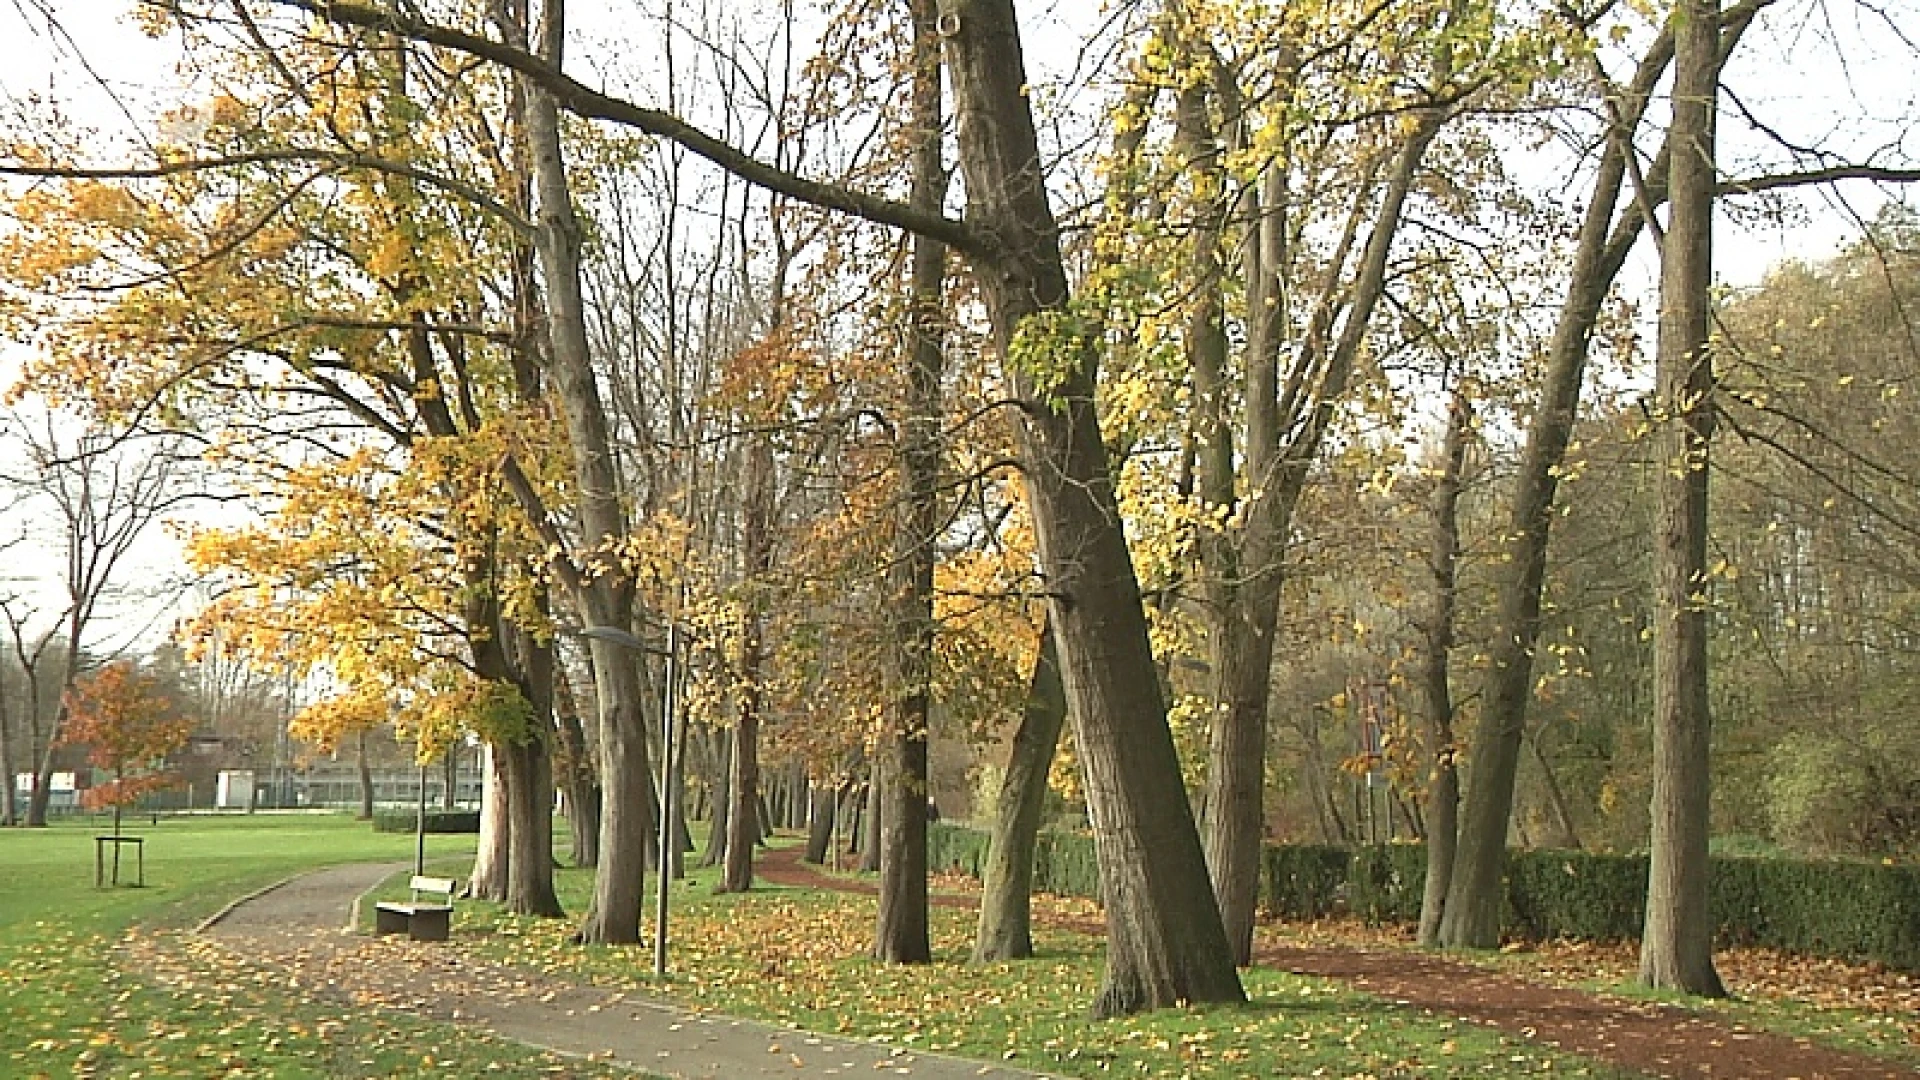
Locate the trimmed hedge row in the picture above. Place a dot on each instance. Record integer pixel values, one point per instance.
(1852, 911)
(438, 821)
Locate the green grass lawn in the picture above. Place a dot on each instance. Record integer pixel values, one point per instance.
(107, 982)
(79, 992)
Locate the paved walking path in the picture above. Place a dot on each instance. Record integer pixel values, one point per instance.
(304, 924)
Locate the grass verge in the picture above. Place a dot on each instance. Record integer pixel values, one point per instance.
(107, 982)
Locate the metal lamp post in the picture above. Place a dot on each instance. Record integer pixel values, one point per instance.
(669, 794)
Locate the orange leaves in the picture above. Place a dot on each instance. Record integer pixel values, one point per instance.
(129, 725)
(762, 380)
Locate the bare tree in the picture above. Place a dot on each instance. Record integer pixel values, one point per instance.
(101, 489)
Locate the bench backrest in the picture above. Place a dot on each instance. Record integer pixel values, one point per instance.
(438, 885)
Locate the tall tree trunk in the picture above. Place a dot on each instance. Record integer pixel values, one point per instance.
(873, 816)
(722, 800)
(1236, 760)
(1472, 915)
(40, 796)
(528, 769)
(900, 931)
(1006, 878)
(365, 769)
(1165, 942)
(529, 772)
(9, 811)
(604, 593)
(582, 785)
(1443, 557)
(745, 818)
(488, 881)
(1676, 945)
(820, 824)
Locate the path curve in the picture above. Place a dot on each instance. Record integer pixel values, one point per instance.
(302, 925)
(1660, 1040)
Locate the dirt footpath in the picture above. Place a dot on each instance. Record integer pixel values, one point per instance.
(302, 926)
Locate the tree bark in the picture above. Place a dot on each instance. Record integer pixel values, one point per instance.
(1472, 916)
(722, 799)
(9, 812)
(574, 770)
(1443, 781)
(1006, 878)
(528, 766)
(528, 770)
(1165, 941)
(745, 818)
(604, 593)
(365, 770)
(872, 818)
(575, 763)
(820, 824)
(900, 931)
(1676, 945)
(1279, 465)
(488, 881)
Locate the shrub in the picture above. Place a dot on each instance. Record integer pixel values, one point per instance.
(438, 821)
(1304, 881)
(955, 847)
(1384, 882)
(1064, 864)
(1574, 894)
(1852, 911)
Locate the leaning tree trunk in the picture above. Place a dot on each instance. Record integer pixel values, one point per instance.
(900, 931)
(1006, 877)
(1472, 916)
(1676, 945)
(1165, 941)
(1443, 557)
(604, 592)
(488, 880)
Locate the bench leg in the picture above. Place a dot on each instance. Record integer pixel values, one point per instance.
(387, 920)
(430, 924)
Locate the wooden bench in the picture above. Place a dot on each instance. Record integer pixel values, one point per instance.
(419, 921)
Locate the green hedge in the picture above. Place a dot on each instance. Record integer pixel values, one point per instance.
(955, 847)
(438, 821)
(1384, 882)
(1852, 911)
(1573, 894)
(1303, 882)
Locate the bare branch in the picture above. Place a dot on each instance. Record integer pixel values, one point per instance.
(583, 101)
